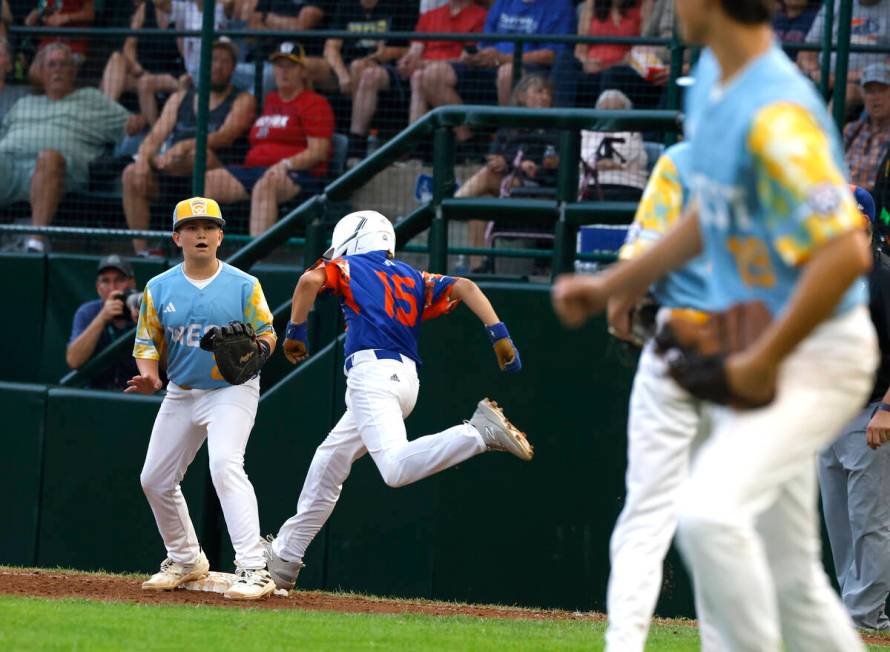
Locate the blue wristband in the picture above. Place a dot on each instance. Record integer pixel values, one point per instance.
(496, 332)
(295, 331)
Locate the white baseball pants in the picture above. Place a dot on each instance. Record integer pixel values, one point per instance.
(224, 417)
(748, 523)
(664, 426)
(380, 394)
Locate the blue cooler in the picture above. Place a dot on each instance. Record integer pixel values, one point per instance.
(598, 238)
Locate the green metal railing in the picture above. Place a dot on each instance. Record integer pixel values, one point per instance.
(565, 211)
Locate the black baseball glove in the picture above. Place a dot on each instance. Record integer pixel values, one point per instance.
(238, 353)
(701, 374)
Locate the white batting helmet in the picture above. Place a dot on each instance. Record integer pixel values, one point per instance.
(361, 232)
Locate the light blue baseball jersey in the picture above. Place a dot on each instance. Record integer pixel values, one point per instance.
(661, 206)
(768, 177)
(175, 314)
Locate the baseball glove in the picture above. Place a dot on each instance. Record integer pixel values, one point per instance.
(239, 355)
(642, 320)
(695, 346)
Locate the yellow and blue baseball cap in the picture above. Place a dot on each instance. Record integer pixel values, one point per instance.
(197, 208)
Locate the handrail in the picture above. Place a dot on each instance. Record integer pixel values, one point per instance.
(319, 34)
(114, 234)
(413, 36)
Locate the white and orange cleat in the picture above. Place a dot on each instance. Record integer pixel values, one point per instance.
(498, 433)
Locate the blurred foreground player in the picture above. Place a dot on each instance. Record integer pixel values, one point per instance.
(779, 228)
(665, 424)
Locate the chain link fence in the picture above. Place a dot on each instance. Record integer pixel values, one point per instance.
(101, 104)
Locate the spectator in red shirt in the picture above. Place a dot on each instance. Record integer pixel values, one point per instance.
(456, 17)
(290, 146)
(604, 18)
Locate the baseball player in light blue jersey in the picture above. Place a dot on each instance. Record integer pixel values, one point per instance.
(663, 425)
(384, 302)
(777, 223)
(178, 308)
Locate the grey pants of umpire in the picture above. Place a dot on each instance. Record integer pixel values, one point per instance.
(855, 486)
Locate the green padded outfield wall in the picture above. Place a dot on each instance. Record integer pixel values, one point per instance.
(492, 529)
(93, 512)
(24, 410)
(24, 287)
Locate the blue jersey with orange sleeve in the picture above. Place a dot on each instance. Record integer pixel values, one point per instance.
(768, 178)
(385, 300)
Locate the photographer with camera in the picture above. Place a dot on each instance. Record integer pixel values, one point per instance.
(100, 322)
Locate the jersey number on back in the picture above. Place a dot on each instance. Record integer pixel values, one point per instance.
(393, 284)
(752, 261)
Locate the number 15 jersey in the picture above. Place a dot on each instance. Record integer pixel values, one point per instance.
(385, 300)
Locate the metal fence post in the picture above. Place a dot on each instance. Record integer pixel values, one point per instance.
(827, 38)
(839, 96)
(673, 91)
(443, 187)
(315, 243)
(518, 49)
(259, 76)
(203, 81)
(566, 191)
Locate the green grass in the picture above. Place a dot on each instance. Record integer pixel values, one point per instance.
(38, 624)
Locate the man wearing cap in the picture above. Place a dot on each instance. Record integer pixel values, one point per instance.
(866, 140)
(869, 26)
(290, 145)
(854, 471)
(100, 322)
(47, 141)
(182, 312)
(155, 174)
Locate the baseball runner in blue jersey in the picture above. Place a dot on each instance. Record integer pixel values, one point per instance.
(181, 310)
(665, 423)
(777, 223)
(384, 301)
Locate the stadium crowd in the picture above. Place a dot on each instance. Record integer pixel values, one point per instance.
(83, 113)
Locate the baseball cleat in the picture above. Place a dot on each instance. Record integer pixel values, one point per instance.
(498, 433)
(284, 573)
(172, 574)
(251, 584)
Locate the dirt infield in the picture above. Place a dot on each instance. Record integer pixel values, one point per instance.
(119, 588)
(64, 584)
